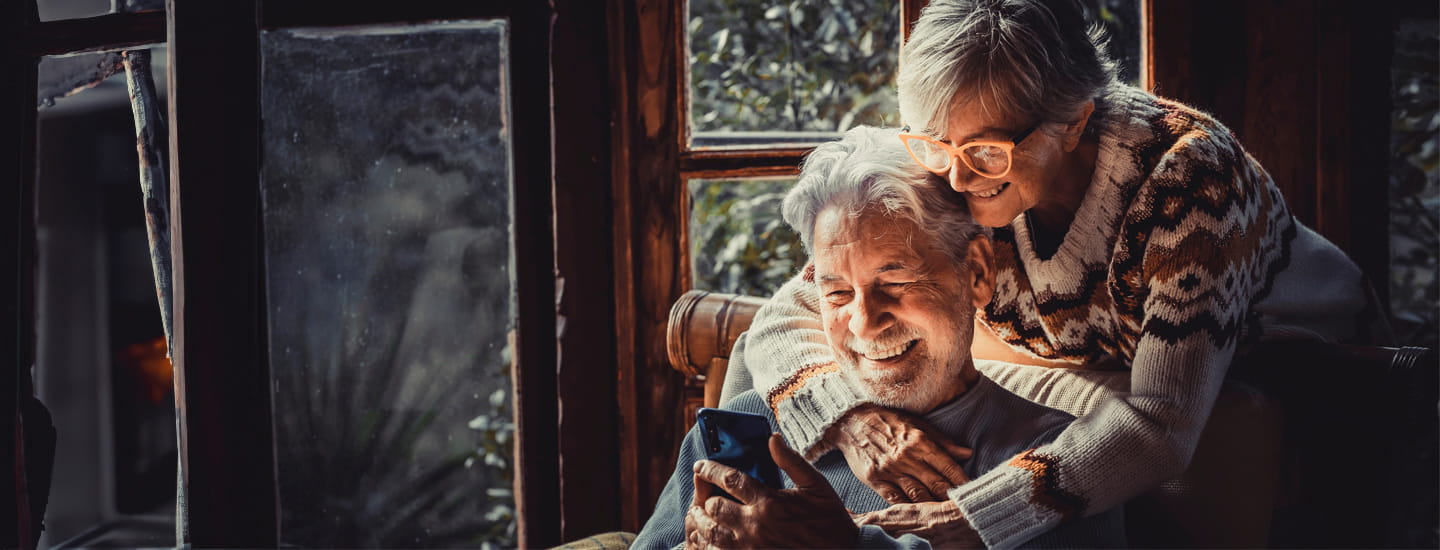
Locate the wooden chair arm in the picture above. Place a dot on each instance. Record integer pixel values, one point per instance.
(702, 330)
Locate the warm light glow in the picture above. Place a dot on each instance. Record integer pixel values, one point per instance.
(151, 367)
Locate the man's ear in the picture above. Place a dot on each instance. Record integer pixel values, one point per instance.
(980, 258)
(1076, 129)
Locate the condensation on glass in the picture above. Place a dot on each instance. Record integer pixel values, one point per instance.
(738, 241)
(763, 73)
(386, 185)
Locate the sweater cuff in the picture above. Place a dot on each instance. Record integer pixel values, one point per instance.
(998, 506)
(810, 403)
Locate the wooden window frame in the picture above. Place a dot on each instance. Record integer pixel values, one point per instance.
(222, 370)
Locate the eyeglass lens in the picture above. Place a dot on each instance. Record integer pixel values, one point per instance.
(933, 156)
(988, 159)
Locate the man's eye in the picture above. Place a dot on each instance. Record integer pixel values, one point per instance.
(838, 293)
(897, 285)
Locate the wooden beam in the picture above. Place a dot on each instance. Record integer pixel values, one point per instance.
(220, 354)
(589, 417)
(646, 63)
(538, 486)
(17, 243)
(116, 31)
(743, 164)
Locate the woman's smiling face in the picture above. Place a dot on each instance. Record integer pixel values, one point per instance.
(1036, 163)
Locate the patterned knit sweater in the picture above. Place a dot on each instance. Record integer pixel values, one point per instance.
(1182, 251)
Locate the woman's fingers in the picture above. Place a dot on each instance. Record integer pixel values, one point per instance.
(957, 452)
(889, 491)
(914, 489)
(947, 466)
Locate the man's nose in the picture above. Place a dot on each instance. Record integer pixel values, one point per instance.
(870, 316)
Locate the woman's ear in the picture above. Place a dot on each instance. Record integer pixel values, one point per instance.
(980, 258)
(1076, 129)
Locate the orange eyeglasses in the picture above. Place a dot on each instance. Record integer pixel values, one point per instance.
(990, 159)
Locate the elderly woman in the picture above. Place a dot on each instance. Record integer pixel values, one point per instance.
(1130, 231)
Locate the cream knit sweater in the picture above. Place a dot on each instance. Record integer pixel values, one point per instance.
(1182, 252)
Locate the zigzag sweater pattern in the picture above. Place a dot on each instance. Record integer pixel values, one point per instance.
(1181, 252)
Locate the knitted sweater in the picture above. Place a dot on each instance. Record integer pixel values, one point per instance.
(1181, 252)
(997, 423)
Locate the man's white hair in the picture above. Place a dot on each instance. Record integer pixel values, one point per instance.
(1039, 59)
(868, 169)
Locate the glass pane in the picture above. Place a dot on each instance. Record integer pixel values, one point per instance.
(790, 72)
(1415, 183)
(101, 366)
(52, 10)
(738, 241)
(387, 220)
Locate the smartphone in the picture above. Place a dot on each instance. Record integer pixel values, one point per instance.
(741, 441)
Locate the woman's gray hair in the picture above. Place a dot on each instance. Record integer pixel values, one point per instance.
(869, 169)
(1036, 58)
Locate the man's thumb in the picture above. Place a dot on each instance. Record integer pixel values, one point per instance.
(800, 471)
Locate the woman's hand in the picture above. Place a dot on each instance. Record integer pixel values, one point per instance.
(939, 523)
(898, 455)
(809, 516)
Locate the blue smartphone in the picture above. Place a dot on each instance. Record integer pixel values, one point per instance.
(741, 441)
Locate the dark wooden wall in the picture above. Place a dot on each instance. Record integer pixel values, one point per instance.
(1305, 85)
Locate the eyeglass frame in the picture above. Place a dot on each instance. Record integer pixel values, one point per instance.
(959, 151)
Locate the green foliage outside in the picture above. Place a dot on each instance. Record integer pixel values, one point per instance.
(738, 241)
(817, 65)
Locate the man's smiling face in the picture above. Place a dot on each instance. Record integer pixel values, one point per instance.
(896, 309)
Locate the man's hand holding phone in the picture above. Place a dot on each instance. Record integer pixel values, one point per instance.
(810, 515)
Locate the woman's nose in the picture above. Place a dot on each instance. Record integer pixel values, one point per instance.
(961, 177)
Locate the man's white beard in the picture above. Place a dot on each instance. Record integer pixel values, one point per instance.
(919, 393)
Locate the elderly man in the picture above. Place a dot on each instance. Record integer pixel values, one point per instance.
(899, 269)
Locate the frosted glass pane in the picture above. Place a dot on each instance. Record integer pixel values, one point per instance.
(738, 241)
(387, 218)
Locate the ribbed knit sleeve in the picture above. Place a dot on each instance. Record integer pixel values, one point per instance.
(792, 366)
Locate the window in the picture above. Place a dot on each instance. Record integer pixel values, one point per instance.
(389, 279)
